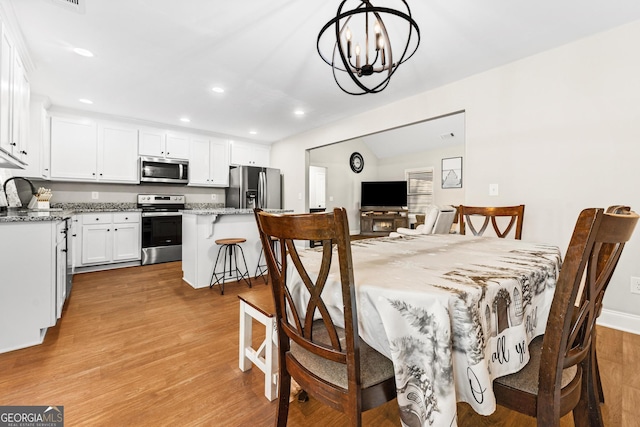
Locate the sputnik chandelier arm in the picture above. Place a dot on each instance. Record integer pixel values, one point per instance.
(369, 67)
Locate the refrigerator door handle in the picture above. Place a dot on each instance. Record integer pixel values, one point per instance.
(261, 190)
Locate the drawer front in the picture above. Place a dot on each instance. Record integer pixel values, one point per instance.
(121, 217)
(97, 218)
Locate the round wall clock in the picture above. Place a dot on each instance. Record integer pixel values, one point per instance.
(356, 162)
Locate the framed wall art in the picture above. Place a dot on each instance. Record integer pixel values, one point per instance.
(452, 172)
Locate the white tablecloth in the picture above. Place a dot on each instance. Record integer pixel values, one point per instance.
(453, 312)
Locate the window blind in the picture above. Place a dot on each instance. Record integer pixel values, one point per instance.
(419, 189)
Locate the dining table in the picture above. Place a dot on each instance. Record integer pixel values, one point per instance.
(453, 312)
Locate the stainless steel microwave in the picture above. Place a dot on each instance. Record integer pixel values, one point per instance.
(169, 171)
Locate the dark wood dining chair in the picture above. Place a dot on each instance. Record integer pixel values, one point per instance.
(560, 376)
(490, 214)
(330, 363)
(618, 209)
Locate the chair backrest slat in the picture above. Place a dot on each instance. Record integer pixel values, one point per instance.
(492, 213)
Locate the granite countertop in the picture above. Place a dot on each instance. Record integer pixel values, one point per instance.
(61, 211)
(230, 211)
(34, 215)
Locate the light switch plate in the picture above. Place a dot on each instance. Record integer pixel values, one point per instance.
(94, 195)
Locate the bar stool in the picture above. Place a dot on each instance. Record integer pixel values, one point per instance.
(262, 269)
(230, 247)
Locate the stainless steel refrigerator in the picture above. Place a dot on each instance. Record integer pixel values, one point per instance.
(254, 187)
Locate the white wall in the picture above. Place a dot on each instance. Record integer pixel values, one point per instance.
(557, 131)
(343, 185)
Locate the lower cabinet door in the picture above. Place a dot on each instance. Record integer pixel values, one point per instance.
(96, 244)
(126, 241)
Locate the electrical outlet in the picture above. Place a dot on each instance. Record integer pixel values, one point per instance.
(214, 197)
(493, 189)
(94, 195)
(635, 285)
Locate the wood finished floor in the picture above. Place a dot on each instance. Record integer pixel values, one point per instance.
(140, 347)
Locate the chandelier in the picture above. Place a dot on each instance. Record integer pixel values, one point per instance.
(368, 45)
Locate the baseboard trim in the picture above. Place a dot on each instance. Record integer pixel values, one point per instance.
(619, 320)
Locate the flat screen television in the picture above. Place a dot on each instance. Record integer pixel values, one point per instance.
(386, 194)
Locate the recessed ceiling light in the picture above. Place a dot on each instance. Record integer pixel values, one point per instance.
(253, 132)
(299, 113)
(217, 89)
(83, 52)
(85, 101)
(185, 119)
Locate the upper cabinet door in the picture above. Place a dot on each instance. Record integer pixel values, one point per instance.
(152, 143)
(158, 143)
(6, 60)
(199, 162)
(219, 162)
(249, 154)
(73, 149)
(118, 153)
(177, 146)
(20, 110)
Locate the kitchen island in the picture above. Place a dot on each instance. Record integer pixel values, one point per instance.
(200, 230)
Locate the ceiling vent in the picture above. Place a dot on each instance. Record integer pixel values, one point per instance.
(77, 6)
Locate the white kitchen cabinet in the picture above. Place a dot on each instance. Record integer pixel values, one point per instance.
(87, 150)
(158, 143)
(126, 236)
(39, 141)
(28, 291)
(14, 100)
(109, 238)
(249, 154)
(208, 162)
(6, 65)
(117, 153)
(74, 149)
(20, 111)
(96, 243)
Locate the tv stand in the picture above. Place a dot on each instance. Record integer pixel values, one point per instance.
(380, 220)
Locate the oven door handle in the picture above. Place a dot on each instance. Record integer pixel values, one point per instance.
(155, 214)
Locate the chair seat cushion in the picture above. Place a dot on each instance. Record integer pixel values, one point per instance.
(374, 367)
(526, 379)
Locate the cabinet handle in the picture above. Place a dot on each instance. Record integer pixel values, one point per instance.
(108, 229)
(73, 235)
(97, 219)
(47, 169)
(126, 218)
(23, 152)
(13, 144)
(100, 174)
(63, 250)
(93, 173)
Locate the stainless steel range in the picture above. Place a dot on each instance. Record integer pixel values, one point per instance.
(161, 227)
